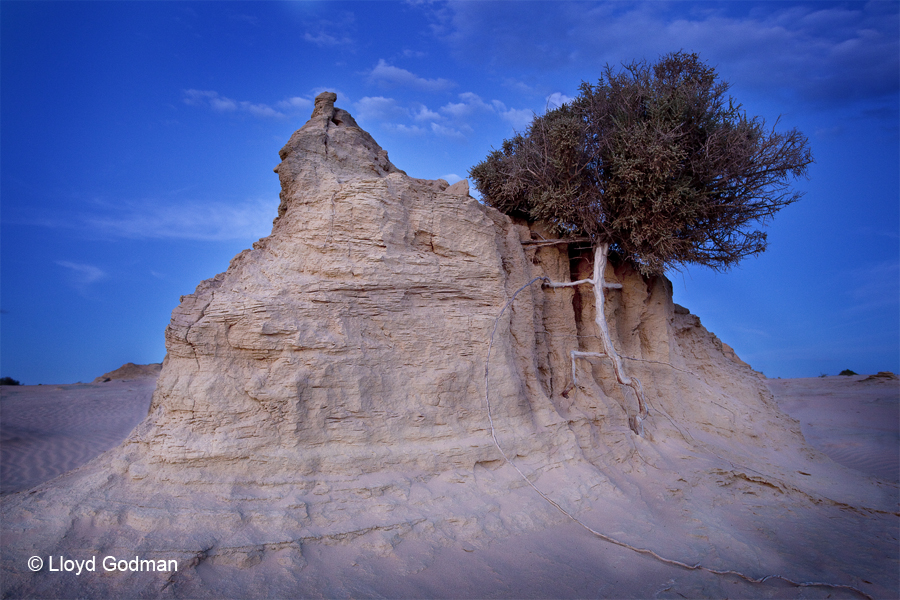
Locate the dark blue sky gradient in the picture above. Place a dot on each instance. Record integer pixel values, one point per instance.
(137, 141)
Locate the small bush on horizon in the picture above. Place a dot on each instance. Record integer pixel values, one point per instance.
(9, 381)
(848, 372)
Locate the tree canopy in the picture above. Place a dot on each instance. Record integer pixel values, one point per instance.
(655, 160)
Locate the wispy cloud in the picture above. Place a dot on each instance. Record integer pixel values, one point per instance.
(223, 104)
(405, 129)
(390, 76)
(295, 103)
(204, 221)
(821, 54)
(209, 98)
(875, 287)
(378, 108)
(557, 99)
(154, 219)
(445, 131)
(332, 33)
(242, 18)
(471, 104)
(81, 276)
(324, 39)
(519, 118)
(453, 120)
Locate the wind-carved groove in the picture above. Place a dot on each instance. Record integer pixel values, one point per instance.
(187, 334)
(600, 285)
(431, 232)
(333, 215)
(607, 538)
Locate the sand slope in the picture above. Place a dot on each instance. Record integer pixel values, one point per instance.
(855, 421)
(46, 430)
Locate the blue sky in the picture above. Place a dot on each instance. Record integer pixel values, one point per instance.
(137, 142)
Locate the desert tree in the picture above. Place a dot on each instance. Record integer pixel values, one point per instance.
(655, 163)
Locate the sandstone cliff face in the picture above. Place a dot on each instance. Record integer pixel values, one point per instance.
(328, 390)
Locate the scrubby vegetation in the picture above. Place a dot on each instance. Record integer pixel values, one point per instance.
(654, 160)
(656, 166)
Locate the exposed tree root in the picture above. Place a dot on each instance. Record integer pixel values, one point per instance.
(598, 282)
(603, 536)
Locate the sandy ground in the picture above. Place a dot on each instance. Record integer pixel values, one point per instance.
(47, 430)
(854, 421)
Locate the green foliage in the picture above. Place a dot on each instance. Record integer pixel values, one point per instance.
(848, 372)
(654, 160)
(8, 381)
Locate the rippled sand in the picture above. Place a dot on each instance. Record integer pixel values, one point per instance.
(855, 421)
(47, 430)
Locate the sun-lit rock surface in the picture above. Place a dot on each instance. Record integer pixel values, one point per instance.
(319, 425)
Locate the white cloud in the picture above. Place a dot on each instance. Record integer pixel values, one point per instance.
(332, 32)
(204, 221)
(447, 131)
(520, 87)
(378, 108)
(451, 178)
(454, 120)
(222, 104)
(519, 118)
(82, 275)
(324, 40)
(210, 98)
(388, 75)
(471, 104)
(405, 129)
(422, 114)
(295, 103)
(557, 99)
(261, 110)
(819, 53)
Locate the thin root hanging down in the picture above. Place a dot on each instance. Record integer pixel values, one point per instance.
(635, 422)
(602, 536)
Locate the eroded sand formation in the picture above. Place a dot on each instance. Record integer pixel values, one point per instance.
(319, 425)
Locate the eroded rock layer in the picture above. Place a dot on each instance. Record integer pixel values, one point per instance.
(323, 403)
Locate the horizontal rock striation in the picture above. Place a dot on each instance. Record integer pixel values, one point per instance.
(323, 400)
